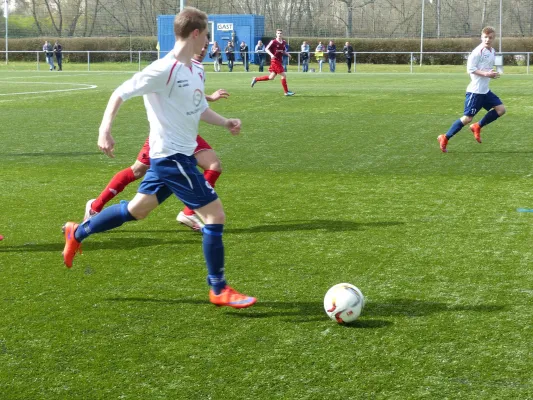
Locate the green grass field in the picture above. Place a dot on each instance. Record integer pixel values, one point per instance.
(343, 182)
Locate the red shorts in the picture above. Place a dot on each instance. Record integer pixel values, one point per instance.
(144, 154)
(276, 66)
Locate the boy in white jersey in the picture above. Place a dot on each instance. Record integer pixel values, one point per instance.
(173, 91)
(478, 95)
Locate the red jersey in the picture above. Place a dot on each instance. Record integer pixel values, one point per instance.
(277, 48)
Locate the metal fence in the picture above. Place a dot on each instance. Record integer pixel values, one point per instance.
(88, 60)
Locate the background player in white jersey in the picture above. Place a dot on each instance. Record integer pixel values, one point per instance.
(478, 95)
(173, 91)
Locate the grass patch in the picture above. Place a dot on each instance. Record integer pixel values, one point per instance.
(343, 182)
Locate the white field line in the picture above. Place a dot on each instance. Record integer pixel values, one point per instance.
(85, 87)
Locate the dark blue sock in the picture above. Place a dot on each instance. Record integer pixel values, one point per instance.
(456, 127)
(489, 117)
(214, 256)
(109, 218)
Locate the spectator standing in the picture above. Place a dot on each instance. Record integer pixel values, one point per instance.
(216, 55)
(58, 51)
(230, 55)
(348, 53)
(244, 55)
(304, 56)
(319, 54)
(285, 59)
(260, 51)
(332, 56)
(49, 53)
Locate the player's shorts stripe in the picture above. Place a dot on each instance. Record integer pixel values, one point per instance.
(184, 174)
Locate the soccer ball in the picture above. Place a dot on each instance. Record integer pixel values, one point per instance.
(344, 302)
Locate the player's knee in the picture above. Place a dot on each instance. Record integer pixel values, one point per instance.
(138, 213)
(216, 217)
(466, 119)
(139, 169)
(216, 165)
(219, 217)
(500, 110)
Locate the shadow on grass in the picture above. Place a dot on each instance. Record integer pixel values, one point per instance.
(296, 225)
(113, 244)
(419, 308)
(314, 225)
(313, 311)
(495, 152)
(53, 154)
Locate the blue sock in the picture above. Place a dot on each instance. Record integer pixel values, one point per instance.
(214, 256)
(109, 218)
(456, 127)
(489, 117)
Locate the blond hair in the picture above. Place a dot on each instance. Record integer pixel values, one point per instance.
(488, 30)
(188, 20)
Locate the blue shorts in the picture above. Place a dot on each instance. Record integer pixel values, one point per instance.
(177, 174)
(474, 102)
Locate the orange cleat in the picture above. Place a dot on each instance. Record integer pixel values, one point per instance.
(72, 246)
(443, 141)
(231, 298)
(476, 130)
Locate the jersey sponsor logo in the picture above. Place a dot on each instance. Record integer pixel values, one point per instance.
(183, 83)
(197, 97)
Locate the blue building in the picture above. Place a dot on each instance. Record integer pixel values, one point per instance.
(223, 28)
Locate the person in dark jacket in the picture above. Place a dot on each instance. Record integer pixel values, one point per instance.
(348, 54)
(244, 55)
(58, 51)
(230, 55)
(332, 56)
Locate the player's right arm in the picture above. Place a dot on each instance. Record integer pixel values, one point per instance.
(152, 79)
(473, 63)
(106, 143)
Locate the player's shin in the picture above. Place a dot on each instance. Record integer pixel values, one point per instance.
(213, 248)
(110, 218)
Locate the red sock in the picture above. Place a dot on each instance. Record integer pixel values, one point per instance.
(114, 187)
(210, 176)
(262, 78)
(284, 84)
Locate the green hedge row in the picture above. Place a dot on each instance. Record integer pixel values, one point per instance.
(360, 45)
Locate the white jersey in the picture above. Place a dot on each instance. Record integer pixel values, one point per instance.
(174, 100)
(482, 59)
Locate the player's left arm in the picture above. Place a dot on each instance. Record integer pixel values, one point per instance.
(219, 94)
(231, 124)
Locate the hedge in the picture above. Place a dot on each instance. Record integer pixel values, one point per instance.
(515, 45)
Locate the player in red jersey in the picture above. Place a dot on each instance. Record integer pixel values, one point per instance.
(204, 154)
(276, 49)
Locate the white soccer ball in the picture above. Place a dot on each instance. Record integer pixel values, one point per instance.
(343, 303)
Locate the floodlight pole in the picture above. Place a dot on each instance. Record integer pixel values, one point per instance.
(182, 5)
(422, 33)
(500, 26)
(6, 15)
